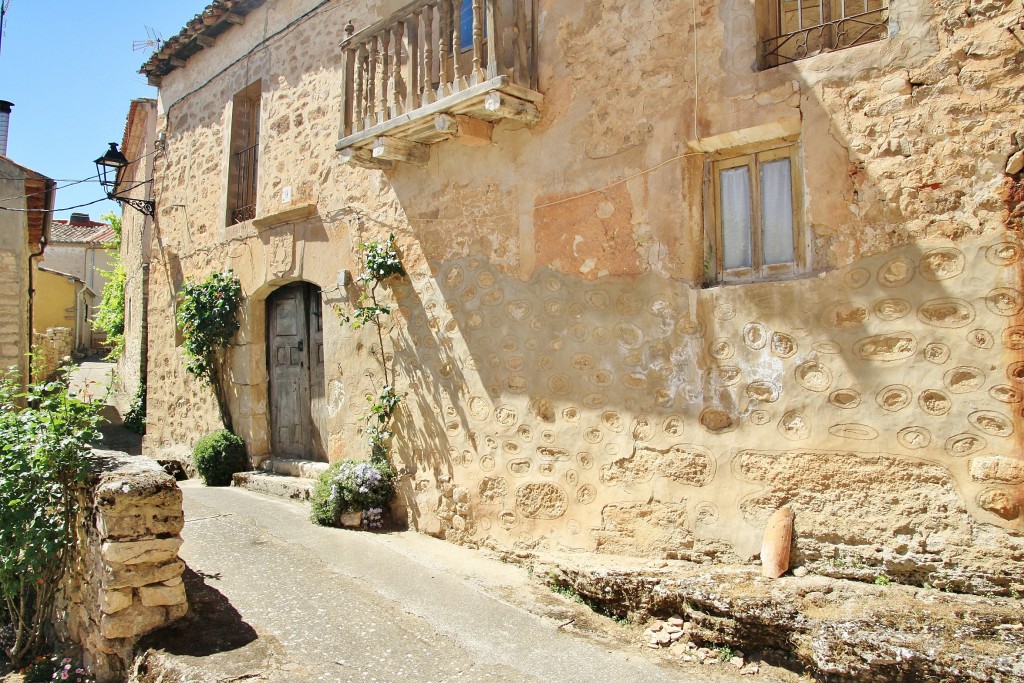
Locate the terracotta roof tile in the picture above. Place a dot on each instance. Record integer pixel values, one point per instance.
(87, 232)
(211, 22)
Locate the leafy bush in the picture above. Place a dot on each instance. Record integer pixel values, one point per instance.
(44, 437)
(352, 486)
(135, 418)
(208, 318)
(109, 316)
(219, 455)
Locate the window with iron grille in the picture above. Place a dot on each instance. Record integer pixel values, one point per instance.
(755, 207)
(244, 160)
(797, 29)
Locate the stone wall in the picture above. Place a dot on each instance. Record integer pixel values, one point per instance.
(565, 370)
(51, 348)
(125, 579)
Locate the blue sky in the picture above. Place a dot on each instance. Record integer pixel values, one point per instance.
(70, 70)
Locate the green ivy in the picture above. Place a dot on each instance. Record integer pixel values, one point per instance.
(208, 319)
(135, 418)
(44, 434)
(109, 316)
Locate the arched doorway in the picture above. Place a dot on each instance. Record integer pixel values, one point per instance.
(295, 361)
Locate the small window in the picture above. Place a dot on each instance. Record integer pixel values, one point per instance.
(756, 202)
(796, 29)
(466, 24)
(244, 160)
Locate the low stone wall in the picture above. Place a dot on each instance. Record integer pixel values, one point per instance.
(125, 578)
(50, 348)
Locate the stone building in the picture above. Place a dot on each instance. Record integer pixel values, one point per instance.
(139, 147)
(26, 203)
(671, 266)
(78, 247)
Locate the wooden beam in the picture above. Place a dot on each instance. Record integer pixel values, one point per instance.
(354, 156)
(153, 80)
(466, 129)
(510, 107)
(236, 19)
(178, 62)
(387, 148)
(205, 41)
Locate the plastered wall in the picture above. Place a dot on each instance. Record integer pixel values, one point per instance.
(569, 382)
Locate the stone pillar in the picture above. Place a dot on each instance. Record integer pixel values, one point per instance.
(125, 579)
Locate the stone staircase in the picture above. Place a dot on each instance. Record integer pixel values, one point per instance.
(282, 477)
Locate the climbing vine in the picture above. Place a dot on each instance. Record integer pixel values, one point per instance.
(109, 316)
(208, 319)
(367, 487)
(380, 264)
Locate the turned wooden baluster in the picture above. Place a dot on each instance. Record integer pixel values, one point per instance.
(347, 90)
(412, 52)
(371, 82)
(385, 76)
(456, 44)
(359, 106)
(428, 54)
(398, 106)
(522, 67)
(444, 44)
(478, 39)
(495, 35)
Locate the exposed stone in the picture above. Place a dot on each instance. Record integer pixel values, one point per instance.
(141, 552)
(133, 621)
(137, 575)
(113, 601)
(778, 539)
(1015, 163)
(161, 595)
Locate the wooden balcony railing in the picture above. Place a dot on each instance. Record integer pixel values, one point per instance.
(404, 71)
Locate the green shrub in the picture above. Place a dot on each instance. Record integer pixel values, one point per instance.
(353, 486)
(135, 419)
(219, 455)
(44, 437)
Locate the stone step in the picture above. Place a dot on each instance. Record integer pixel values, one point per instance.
(307, 469)
(275, 484)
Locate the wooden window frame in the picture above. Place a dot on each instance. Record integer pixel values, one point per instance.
(244, 153)
(753, 157)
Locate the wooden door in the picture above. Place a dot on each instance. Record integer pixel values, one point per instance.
(295, 348)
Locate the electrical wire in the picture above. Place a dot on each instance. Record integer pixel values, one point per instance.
(71, 183)
(66, 208)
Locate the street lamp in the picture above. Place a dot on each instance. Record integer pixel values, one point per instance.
(114, 160)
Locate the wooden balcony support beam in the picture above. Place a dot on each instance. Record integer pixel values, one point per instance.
(386, 148)
(355, 156)
(509, 107)
(466, 129)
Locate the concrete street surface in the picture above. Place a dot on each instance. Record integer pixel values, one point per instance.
(276, 598)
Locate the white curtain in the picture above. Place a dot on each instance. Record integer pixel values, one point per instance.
(777, 211)
(735, 203)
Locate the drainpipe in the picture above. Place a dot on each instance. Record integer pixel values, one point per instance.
(48, 198)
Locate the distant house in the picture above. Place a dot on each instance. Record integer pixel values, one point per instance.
(26, 200)
(77, 248)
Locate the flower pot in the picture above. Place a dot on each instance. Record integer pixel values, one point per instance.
(352, 520)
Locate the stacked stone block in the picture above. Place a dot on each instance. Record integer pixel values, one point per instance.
(125, 580)
(51, 348)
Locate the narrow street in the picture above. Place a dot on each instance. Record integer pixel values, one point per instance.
(276, 598)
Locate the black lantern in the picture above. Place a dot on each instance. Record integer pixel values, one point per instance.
(108, 167)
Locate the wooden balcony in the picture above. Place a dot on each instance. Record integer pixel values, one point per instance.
(430, 72)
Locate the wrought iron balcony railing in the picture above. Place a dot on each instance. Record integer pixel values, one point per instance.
(854, 29)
